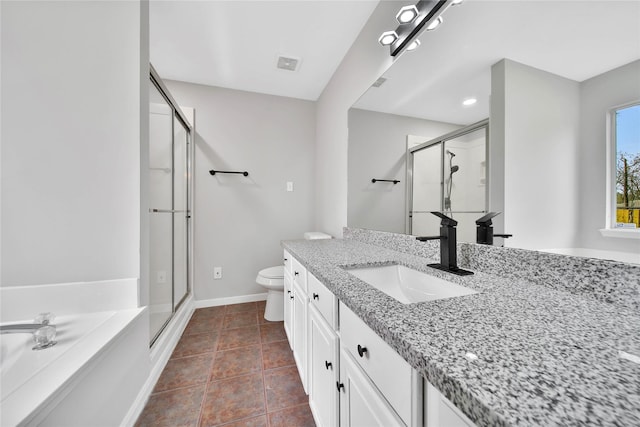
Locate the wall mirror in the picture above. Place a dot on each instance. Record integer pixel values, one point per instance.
(537, 72)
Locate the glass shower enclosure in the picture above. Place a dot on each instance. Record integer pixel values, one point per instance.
(170, 154)
(449, 175)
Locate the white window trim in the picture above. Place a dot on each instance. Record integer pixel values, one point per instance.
(610, 230)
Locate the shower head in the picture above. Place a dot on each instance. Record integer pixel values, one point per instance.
(454, 169)
(452, 154)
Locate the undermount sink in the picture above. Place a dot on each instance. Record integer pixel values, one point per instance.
(407, 285)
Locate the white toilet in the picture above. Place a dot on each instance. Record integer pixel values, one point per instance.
(272, 279)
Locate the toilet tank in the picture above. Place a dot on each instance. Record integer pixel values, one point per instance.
(316, 235)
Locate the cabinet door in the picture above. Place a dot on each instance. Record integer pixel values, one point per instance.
(300, 306)
(288, 307)
(441, 412)
(323, 370)
(360, 403)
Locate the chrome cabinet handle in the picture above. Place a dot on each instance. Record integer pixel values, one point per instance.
(339, 386)
(295, 273)
(315, 296)
(327, 364)
(361, 350)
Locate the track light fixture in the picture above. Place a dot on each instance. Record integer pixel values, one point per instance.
(387, 38)
(414, 45)
(424, 15)
(435, 23)
(407, 14)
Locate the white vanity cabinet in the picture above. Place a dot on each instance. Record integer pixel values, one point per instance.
(300, 320)
(324, 365)
(439, 411)
(324, 358)
(288, 298)
(353, 377)
(361, 404)
(393, 378)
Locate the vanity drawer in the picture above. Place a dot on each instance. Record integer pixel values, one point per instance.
(387, 369)
(287, 260)
(323, 300)
(299, 274)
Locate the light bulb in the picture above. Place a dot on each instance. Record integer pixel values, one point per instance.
(435, 24)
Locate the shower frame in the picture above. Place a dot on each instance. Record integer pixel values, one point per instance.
(441, 141)
(178, 114)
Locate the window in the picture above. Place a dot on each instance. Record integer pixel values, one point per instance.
(627, 142)
(624, 172)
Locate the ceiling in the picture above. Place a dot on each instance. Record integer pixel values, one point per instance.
(574, 39)
(236, 43)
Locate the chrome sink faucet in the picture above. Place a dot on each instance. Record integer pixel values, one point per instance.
(448, 247)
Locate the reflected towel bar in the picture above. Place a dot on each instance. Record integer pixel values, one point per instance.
(213, 172)
(395, 181)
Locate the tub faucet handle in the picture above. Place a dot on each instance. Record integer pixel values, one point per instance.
(43, 337)
(45, 318)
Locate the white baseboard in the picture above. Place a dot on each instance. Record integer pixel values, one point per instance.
(230, 300)
(159, 355)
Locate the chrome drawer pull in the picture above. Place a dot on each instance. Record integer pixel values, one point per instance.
(327, 364)
(315, 296)
(339, 386)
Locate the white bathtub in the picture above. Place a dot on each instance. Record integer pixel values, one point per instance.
(90, 377)
(35, 384)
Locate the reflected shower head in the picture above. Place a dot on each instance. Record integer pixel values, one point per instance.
(452, 154)
(454, 169)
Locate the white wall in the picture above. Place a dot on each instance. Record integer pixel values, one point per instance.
(377, 149)
(71, 116)
(239, 221)
(365, 61)
(541, 146)
(598, 95)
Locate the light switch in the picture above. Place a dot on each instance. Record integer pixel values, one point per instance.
(289, 186)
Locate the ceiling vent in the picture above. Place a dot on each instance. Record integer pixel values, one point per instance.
(288, 63)
(379, 82)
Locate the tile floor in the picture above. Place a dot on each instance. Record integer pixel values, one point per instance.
(230, 368)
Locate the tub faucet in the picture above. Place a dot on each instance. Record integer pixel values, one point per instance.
(43, 332)
(24, 328)
(448, 247)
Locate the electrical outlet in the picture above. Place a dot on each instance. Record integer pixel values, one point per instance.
(217, 272)
(161, 277)
(289, 186)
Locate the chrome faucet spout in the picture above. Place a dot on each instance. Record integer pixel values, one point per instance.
(22, 328)
(25, 328)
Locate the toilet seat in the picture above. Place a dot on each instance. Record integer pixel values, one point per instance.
(276, 272)
(271, 278)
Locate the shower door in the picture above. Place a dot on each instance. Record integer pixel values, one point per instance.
(449, 174)
(169, 214)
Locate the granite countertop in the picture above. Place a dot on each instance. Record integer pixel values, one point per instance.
(545, 356)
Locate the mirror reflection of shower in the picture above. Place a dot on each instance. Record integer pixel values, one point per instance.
(449, 183)
(448, 174)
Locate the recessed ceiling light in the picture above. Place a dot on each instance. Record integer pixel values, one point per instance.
(469, 101)
(455, 2)
(414, 44)
(387, 38)
(435, 24)
(407, 14)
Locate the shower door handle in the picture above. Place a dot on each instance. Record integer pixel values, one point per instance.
(167, 211)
